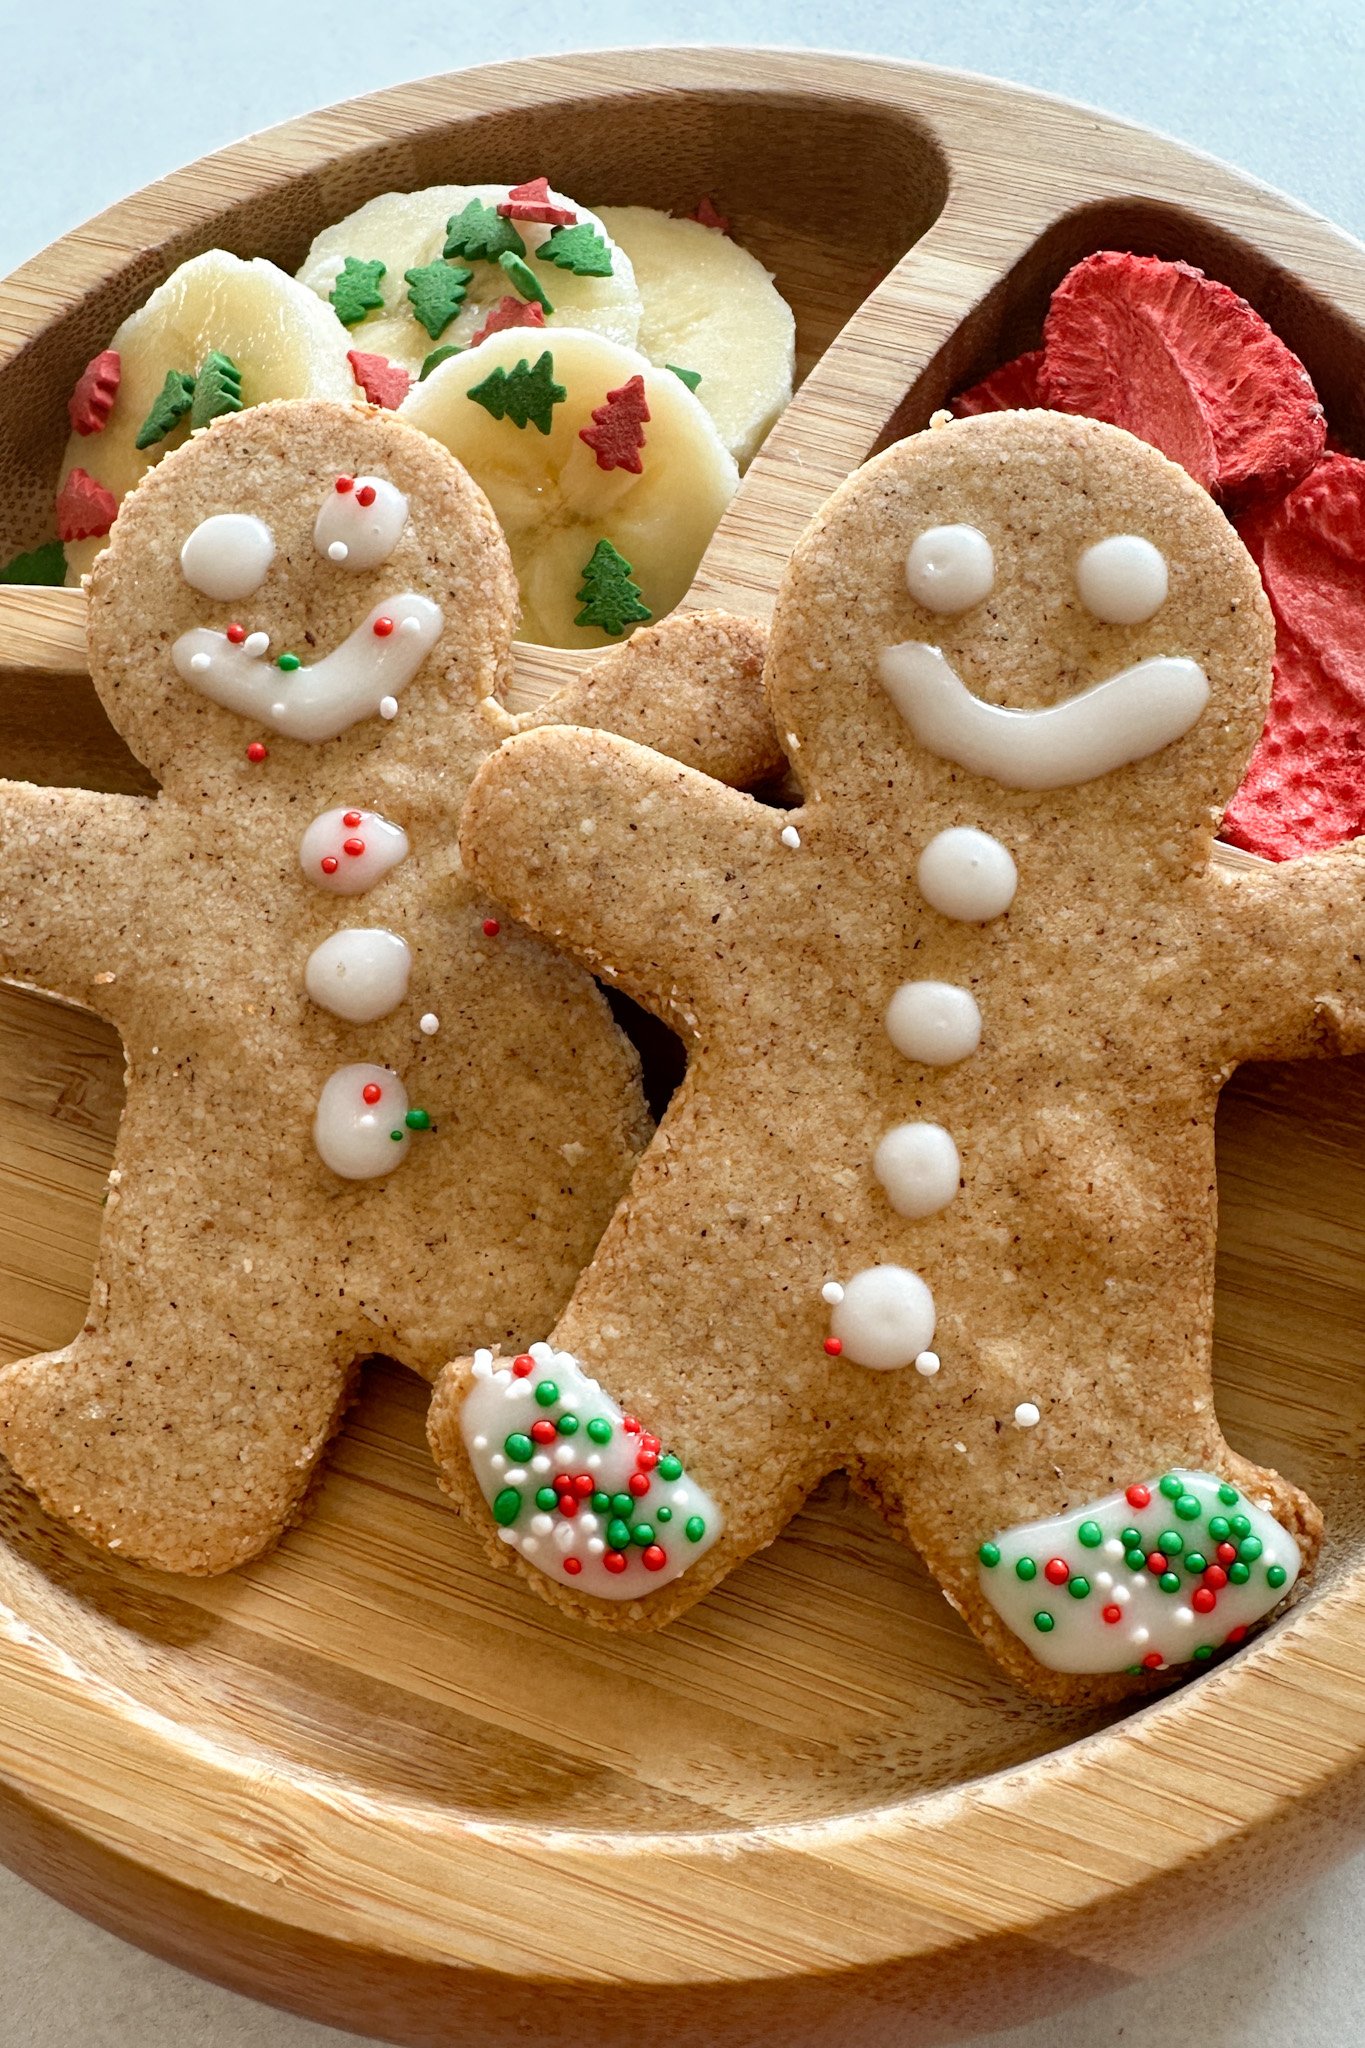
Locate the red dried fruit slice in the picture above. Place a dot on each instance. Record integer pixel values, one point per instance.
(532, 201)
(510, 312)
(383, 382)
(1011, 388)
(85, 509)
(92, 401)
(1184, 363)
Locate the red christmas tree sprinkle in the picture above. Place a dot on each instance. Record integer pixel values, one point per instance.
(532, 201)
(92, 401)
(85, 509)
(383, 382)
(510, 312)
(710, 216)
(617, 435)
(1185, 364)
(1011, 388)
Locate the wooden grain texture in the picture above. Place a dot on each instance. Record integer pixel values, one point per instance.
(369, 1779)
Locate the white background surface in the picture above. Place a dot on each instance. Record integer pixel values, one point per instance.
(100, 98)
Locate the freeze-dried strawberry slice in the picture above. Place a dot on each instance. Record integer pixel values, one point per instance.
(1305, 786)
(1183, 362)
(1011, 388)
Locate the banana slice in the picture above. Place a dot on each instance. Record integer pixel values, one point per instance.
(710, 306)
(407, 230)
(554, 500)
(284, 343)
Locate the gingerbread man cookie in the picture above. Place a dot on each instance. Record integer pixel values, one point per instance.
(363, 1115)
(936, 1201)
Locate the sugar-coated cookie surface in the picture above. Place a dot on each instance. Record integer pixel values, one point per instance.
(364, 1112)
(994, 933)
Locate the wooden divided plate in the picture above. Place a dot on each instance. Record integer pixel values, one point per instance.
(369, 1778)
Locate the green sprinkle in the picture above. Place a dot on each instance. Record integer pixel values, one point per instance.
(1171, 1541)
(523, 395)
(1171, 1486)
(663, 1514)
(437, 357)
(1044, 1623)
(1219, 1528)
(989, 1554)
(601, 1503)
(642, 1534)
(1240, 1525)
(691, 378)
(1196, 1562)
(618, 1533)
(1169, 1582)
(547, 1393)
(169, 407)
(623, 1504)
(610, 600)
(436, 292)
(1135, 1559)
(1026, 1568)
(46, 564)
(1249, 1549)
(524, 281)
(1131, 1539)
(289, 662)
(397, 1137)
(547, 1498)
(355, 291)
(1188, 1508)
(579, 249)
(481, 233)
(670, 1467)
(1239, 1573)
(1228, 1495)
(567, 1425)
(519, 1448)
(1203, 1653)
(217, 389)
(1078, 1587)
(599, 1429)
(507, 1506)
(1275, 1574)
(418, 1120)
(1091, 1535)
(695, 1528)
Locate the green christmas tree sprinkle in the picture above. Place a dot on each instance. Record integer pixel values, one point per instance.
(691, 378)
(524, 395)
(217, 389)
(436, 292)
(579, 249)
(608, 597)
(46, 564)
(169, 407)
(437, 357)
(481, 233)
(356, 290)
(524, 281)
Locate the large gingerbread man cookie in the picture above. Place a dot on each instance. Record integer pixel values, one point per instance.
(363, 1115)
(936, 1202)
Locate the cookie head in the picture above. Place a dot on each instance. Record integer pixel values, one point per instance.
(307, 581)
(1024, 604)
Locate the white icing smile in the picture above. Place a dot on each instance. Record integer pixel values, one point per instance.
(320, 701)
(1125, 718)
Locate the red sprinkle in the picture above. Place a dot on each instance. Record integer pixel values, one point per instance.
(638, 1484)
(709, 215)
(236, 634)
(1204, 1601)
(532, 201)
(366, 495)
(256, 752)
(491, 927)
(345, 483)
(1056, 1571)
(653, 1557)
(383, 628)
(650, 1443)
(355, 847)
(351, 818)
(1011, 388)
(1226, 1553)
(1215, 1578)
(630, 1425)
(85, 510)
(617, 435)
(584, 1485)
(92, 401)
(834, 1345)
(372, 1091)
(573, 1566)
(510, 312)
(568, 1504)
(1153, 1661)
(383, 382)
(562, 1482)
(1156, 1562)
(614, 1560)
(1139, 1496)
(523, 1364)
(1236, 1635)
(1112, 1614)
(543, 1431)
(647, 1460)
(330, 863)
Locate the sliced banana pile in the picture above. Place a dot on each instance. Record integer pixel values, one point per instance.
(650, 479)
(436, 269)
(280, 340)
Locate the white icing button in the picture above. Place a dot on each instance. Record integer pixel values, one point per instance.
(359, 974)
(919, 1167)
(682, 1519)
(347, 858)
(1028, 1414)
(361, 1139)
(933, 1021)
(927, 1364)
(228, 555)
(1122, 580)
(1095, 1629)
(429, 1024)
(885, 1319)
(950, 568)
(364, 521)
(967, 875)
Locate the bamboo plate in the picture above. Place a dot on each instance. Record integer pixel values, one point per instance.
(371, 1780)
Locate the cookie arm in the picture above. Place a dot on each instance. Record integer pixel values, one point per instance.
(1288, 955)
(72, 887)
(691, 687)
(642, 868)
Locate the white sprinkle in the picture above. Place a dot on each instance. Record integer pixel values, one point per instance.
(790, 836)
(255, 643)
(540, 1462)
(508, 1535)
(199, 662)
(927, 1363)
(338, 551)
(542, 1525)
(940, 419)
(410, 626)
(429, 1025)
(595, 1546)
(832, 1292)
(483, 1361)
(962, 1448)
(1027, 1413)
(388, 706)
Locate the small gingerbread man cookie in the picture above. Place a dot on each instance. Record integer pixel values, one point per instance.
(936, 1202)
(363, 1114)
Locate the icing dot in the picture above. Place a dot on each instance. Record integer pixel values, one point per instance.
(918, 1165)
(1122, 580)
(790, 836)
(382, 848)
(359, 974)
(933, 1021)
(967, 875)
(337, 551)
(950, 568)
(429, 1024)
(228, 555)
(885, 1319)
(1027, 1414)
(927, 1364)
(359, 527)
(832, 1292)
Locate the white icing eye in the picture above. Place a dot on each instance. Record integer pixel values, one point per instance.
(228, 555)
(950, 568)
(360, 522)
(1122, 580)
